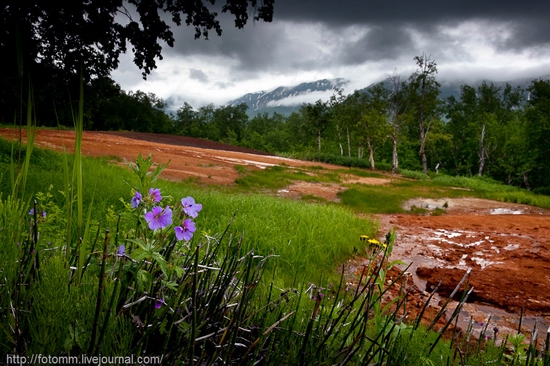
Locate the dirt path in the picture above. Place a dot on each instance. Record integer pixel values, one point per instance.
(505, 246)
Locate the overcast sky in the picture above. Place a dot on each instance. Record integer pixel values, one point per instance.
(362, 41)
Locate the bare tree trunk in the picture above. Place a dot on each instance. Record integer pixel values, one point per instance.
(319, 139)
(424, 160)
(481, 152)
(349, 144)
(371, 154)
(395, 106)
(359, 152)
(525, 180)
(340, 140)
(395, 160)
(423, 134)
(423, 131)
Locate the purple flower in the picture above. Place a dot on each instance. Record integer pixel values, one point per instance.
(121, 250)
(159, 218)
(136, 200)
(190, 207)
(154, 193)
(185, 232)
(159, 303)
(31, 212)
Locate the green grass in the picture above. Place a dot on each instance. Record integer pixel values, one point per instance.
(491, 189)
(277, 177)
(361, 173)
(308, 241)
(387, 199)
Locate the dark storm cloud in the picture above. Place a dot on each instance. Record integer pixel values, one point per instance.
(198, 75)
(360, 11)
(379, 43)
(530, 18)
(232, 42)
(531, 33)
(386, 28)
(253, 46)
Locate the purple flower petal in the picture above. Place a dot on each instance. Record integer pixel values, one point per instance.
(121, 250)
(136, 200)
(185, 232)
(159, 303)
(158, 218)
(190, 207)
(166, 218)
(154, 193)
(179, 233)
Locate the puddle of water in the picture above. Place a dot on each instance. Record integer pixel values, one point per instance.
(505, 211)
(511, 247)
(507, 323)
(448, 234)
(483, 262)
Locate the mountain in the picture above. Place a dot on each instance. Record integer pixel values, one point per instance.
(287, 99)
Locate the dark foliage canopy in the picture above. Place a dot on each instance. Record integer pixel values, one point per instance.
(91, 34)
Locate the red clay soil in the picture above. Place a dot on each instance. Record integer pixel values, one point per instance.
(505, 246)
(204, 161)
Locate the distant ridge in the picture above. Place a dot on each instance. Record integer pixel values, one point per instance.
(287, 99)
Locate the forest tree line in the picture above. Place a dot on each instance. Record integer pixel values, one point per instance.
(498, 132)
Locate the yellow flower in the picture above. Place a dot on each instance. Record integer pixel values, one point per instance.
(377, 243)
(372, 242)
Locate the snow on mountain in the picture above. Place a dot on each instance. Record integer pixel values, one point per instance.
(286, 99)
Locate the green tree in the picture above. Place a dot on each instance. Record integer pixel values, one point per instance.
(231, 122)
(396, 109)
(204, 126)
(482, 123)
(318, 118)
(267, 133)
(538, 132)
(88, 34)
(460, 113)
(52, 43)
(372, 126)
(299, 130)
(424, 93)
(342, 117)
(185, 119)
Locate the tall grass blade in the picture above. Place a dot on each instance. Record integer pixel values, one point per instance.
(100, 290)
(77, 167)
